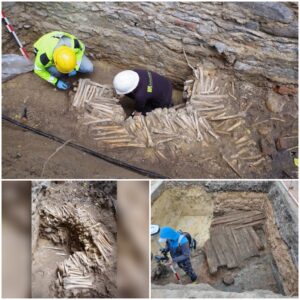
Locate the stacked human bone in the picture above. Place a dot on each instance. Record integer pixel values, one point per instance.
(77, 272)
(216, 102)
(98, 102)
(158, 127)
(211, 114)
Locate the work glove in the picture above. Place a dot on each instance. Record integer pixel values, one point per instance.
(62, 85)
(73, 73)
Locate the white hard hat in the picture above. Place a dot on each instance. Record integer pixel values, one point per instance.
(154, 229)
(125, 82)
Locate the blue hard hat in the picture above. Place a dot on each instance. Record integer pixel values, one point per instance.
(168, 233)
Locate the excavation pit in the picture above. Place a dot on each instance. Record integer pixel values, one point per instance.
(247, 236)
(74, 240)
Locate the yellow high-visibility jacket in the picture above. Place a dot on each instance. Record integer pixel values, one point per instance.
(44, 48)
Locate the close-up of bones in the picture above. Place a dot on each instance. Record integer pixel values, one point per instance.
(74, 241)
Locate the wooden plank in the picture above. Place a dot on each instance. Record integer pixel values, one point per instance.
(211, 257)
(252, 249)
(230, 216)
(217, 245)
(259, 222)
(227, 249)
(248, 220)
(233, 246)
(237, 218)
(256, 239)
(238, 237)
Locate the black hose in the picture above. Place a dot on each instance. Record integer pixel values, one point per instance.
(109, 159)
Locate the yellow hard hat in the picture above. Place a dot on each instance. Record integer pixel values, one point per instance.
(64, 59)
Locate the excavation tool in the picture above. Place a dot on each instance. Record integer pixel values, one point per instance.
(12, 31)
(163, 261)
(175, 273)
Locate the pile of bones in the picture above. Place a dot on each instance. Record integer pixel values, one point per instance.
(208, 115)
(77, 275)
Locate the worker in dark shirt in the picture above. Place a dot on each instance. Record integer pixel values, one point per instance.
(149, 90)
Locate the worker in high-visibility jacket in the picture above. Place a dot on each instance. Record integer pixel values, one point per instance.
(60, 54)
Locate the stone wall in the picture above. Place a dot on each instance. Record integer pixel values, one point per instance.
(215, 186)
(255, 41)
(286, 217)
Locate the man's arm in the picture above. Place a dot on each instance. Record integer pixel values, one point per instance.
(39, 69)
(140, 104)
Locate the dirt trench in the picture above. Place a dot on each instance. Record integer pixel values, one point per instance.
(74, 238)
(197, 210)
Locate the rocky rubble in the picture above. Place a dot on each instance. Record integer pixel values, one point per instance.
(255, 40)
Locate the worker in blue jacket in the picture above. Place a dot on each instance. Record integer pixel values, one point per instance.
(179, 248)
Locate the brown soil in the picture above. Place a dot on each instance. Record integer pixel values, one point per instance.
(68, 220)
(49, 110)
(25, 153)
(188, 210)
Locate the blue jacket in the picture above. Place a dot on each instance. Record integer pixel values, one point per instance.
(179, 251)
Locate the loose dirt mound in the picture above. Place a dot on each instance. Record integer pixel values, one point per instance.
(74, 242)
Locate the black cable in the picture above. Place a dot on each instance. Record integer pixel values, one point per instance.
(109, 159)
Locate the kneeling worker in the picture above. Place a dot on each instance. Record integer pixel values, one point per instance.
(179, 248)
(58, 54)
(149, 90)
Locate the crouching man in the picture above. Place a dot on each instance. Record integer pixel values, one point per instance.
(149, 90)
(60, 54)
(179, 248)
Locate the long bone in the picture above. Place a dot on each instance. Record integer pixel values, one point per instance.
(123, 145)
(210, 108)
(105, 138)
(239, 115)
(108, 132)
(199, 135)
(231, 166)
(149, 139)
(208, 128)
(235, 125)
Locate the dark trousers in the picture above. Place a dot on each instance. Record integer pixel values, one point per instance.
(186, 266)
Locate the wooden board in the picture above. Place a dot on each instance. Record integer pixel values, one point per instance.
(239, 218)
(217, 245)
(211, 257)
(233, 240)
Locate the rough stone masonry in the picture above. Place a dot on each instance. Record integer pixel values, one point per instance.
(257, 42)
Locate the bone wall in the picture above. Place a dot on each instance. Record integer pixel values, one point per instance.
(257, 41)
